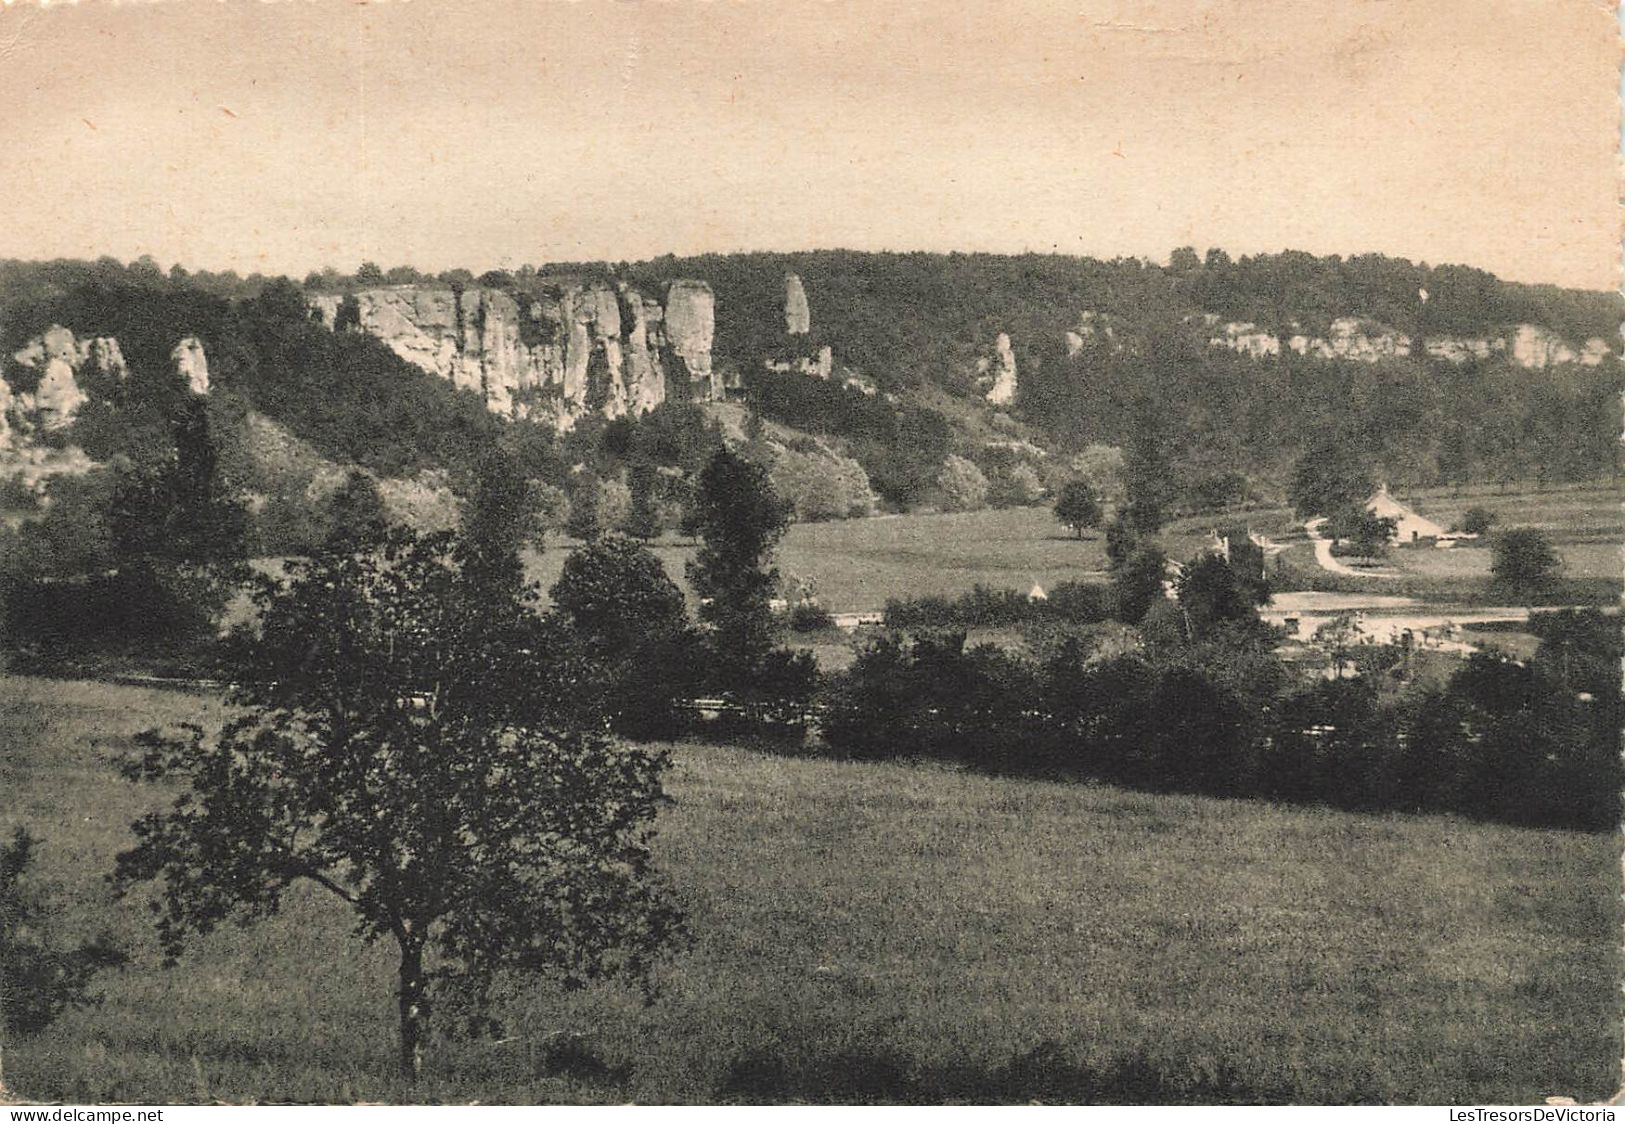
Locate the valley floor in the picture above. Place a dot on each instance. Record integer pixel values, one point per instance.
(890, 933)
(855, 565)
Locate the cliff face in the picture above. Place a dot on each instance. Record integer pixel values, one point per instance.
(63, 365)
(1003, 370)
(555, 355)
(64, 371)
(1362, 341)
(797, 314)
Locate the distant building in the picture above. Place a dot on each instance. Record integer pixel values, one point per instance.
(1409, 526)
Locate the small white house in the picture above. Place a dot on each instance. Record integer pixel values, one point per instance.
(1409, 526)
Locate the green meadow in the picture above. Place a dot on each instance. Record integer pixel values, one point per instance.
(886, 933)
(856, 565)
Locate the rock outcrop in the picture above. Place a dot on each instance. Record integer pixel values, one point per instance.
(1460, 349)
(62, 363)
(1003, 368)
(555, 354)
(797, 315)
(1092, 325)
(63, 369)
(1534, 346)
(1247, 339)
(691, 322)
(819, 366)
(1351, 339)
(192, 364)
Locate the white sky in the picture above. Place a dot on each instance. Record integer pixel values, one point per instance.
(287, 135)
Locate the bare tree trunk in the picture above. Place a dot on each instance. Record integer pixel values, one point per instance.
(414, 1013)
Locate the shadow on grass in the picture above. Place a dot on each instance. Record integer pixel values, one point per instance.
(575, 1057)
(1045, 1074)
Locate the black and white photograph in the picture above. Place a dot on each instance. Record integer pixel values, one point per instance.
(810, 552)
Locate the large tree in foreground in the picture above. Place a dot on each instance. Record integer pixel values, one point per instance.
(412, 737)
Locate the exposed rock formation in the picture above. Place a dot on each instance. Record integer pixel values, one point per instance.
(797, 316)
(691, 311)
(1091, 325)
(1352, 339)
(821, 366)
(1362, 341)
(1003, 391)
(1534, 346)
(570, 349)
(192, 364)
(1458, 349)
(646, 375)
(1246, 338)
(1594, 352)
(61, 361)
(65, 366)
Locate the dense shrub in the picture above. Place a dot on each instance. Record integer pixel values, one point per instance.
(961, 485)
(809, 616)
(1533, 745)
(983, 607)
(157, 612)
(932, 697)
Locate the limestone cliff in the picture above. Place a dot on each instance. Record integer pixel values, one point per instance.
(62, 365)
(1350, 338)
(553, 354)
(1003, 370)
(192, 364)
(797, 315)
(1356, 340)
(691, 324)
(1246, 338)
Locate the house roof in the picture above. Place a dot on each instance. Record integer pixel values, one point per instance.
(1410, 525)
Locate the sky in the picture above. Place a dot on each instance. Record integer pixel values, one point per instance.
(286, 135)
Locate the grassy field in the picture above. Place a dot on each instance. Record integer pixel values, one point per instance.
(1590, 513)
(855, 565)
(1580, 560)
(892, 933)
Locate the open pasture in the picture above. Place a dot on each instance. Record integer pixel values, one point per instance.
(890, 933)
(1584, 514)
(1580, 560)
(855, 565)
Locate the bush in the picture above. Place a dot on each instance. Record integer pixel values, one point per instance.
(820, 485)
(809, 616)
(1017, 486)
(1531, 745)
(1477, 520)
(140, 610)
(983, 607)
(932, 697)
(1524, 560)
(961, 485)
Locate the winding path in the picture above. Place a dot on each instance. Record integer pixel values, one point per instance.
(1323, 554)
